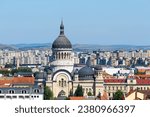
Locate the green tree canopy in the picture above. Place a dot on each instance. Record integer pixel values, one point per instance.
(48, 94)
(89, 93)
(5, 72)
(118, 95)
(21, 69)
(79, 91)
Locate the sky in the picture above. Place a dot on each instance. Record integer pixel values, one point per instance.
(103, 22)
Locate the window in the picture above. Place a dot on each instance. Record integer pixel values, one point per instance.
(59, 83)
(8, 97)
(26, 96)
(22, 97)
(0, 91)
(14, 96)
(62, 82)
(23, 91)
(1, 96)
(11, 91)
(90, 89)
(36, 91)
(113, 88)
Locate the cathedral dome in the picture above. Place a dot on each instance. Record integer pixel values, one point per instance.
(61, 41)
(86, 71)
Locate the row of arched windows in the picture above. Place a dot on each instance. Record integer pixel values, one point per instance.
(60, 55)
(22, 91)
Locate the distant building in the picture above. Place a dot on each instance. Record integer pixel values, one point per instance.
(23, 88)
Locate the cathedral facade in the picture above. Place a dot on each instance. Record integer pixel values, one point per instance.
(65, 77)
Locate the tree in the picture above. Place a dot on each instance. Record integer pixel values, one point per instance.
(79, 91)
(5, 72)
(21, 69)
(13, 71)
(48, 94)
(89, 93)
(24, 69)
(118, 95)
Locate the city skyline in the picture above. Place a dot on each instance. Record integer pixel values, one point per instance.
(94, 22)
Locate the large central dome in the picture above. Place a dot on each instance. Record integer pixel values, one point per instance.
(61, 41)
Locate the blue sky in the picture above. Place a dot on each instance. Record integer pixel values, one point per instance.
(103, 22)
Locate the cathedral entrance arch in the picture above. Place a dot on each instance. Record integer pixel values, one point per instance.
(62, 83)
(61, 93)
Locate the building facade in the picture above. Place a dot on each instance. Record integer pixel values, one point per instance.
(64, 77)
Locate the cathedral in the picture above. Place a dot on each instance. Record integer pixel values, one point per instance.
(65, 77)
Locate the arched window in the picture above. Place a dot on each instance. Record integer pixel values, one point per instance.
(36, 91)
(11, 91)
(59, 83)
(59, 56)
(62, 83)
(23, 91)
(62, 55)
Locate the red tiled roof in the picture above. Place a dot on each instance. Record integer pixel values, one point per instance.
(17, 80)
(76, 98)
(23, 80)
(114, 80)
(142, 81)
(3, 82)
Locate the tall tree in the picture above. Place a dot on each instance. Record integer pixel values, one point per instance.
(48, 94)
(118, 95)
(79, 91)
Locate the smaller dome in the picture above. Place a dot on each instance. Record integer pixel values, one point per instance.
(98, 67)
(86, 71)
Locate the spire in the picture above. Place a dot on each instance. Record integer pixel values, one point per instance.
(62, 28)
